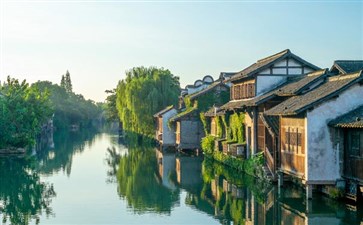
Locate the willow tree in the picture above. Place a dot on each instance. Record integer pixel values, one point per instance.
(141, 94)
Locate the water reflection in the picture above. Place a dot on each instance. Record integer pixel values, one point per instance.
(52, 159)
(140, 184)
(152, 180)
(23, 196)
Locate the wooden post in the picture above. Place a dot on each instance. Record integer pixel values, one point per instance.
(309, 191)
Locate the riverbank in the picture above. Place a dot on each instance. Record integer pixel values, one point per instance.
(252, 166)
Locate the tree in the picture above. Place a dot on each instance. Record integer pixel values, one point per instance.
(24, 110)
(69, 86)
(110, 108)
(144, 92)
(69, 108)
(66, 82)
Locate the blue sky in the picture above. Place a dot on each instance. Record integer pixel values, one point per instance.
(97, 41)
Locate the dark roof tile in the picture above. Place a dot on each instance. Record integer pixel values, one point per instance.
(332, 87)
(347, 66)
(352, 119)
(268, 61)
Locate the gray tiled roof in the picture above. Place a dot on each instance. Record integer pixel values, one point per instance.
(331, 88)
(208, 89)
(292, 87)
(268, 61)
(352, 119)
(347, 66)
(182, 114)
(298, 85)
(163, 111)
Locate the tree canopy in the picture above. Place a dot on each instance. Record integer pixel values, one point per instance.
(69, 108)
(144, 92)
(24, 110)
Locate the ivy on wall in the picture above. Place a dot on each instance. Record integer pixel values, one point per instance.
(236, 128)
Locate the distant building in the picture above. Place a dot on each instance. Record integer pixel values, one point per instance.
(165, 132)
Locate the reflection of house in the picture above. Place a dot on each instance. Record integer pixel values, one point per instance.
(294, 209)
(165, 133)
(308, 150)
(166, 167)
(188, 171)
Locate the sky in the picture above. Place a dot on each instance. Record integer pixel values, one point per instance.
(98, 40)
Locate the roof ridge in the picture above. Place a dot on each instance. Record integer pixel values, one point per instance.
(348, 60)
(345, 76)
(318, 72)
(274, 55)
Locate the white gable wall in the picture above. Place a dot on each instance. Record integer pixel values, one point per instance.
(168, 133)
(322, 162)
(277, 74)
(267, 83)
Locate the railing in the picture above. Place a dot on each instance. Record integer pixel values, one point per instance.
(269, 161)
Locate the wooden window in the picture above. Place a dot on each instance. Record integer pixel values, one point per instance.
(355, 144)
(287, 138)
(299, 139)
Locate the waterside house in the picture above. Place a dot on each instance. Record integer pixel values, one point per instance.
(189, 127)
(165, 133)
(348, 134)
(255, 90)
(308, 149)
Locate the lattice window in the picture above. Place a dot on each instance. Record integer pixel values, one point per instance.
(355, 144)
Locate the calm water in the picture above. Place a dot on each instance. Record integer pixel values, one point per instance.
(93, 179)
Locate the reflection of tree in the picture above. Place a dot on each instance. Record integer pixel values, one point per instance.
(113, 161)
(139, 184)
(66, 144)
(23, 195)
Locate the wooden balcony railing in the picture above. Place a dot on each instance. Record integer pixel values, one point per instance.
(270, 161)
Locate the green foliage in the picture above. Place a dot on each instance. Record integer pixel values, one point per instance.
(252, 166)
(66, 82)
(69, 108)
(138, 184)
(144, 92)
(110, 108)
(24, 110)
(24, 196)
(336, 193)
(208, 144)
(187, 102)
(205, 122)
(236, 128)
(206, 101)
(220, 126)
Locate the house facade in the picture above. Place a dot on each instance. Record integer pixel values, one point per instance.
(307, 148)
(255, 90)
(348, 140)
(165, 133)
(189, 128)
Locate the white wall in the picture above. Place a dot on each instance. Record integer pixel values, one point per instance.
(322, 159)
(266, 83)
(168, 133)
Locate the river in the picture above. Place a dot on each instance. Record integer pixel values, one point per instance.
(92, 178)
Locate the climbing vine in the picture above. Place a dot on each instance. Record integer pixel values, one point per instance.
(205, 122)
(236, 128)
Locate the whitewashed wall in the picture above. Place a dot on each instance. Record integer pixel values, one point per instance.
(168, 132)
(267, 83)
(322, 162)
